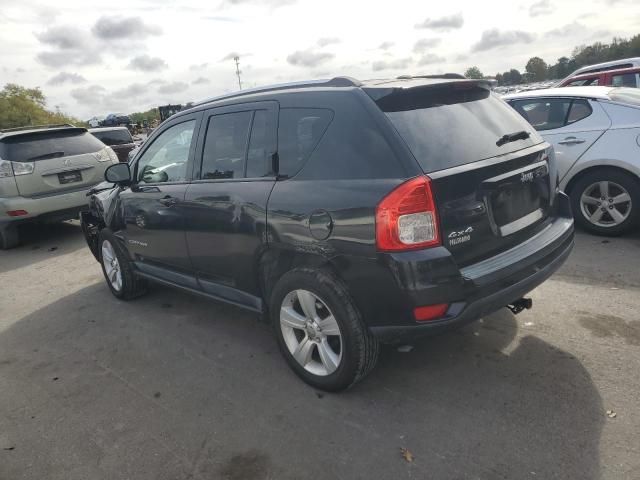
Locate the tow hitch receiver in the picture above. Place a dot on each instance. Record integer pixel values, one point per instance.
(520, 305)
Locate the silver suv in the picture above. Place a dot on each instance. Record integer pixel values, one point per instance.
(45, 172)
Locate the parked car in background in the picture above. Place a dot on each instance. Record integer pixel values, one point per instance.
(118, 138)
(623, 77)
(347, 213)
(95, 122)
(45, 172)
(602, 67)
(116, 119)
(596, 135)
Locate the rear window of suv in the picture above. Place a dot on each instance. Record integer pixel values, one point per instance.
(44, 145)
(453, 125)
(114, 137)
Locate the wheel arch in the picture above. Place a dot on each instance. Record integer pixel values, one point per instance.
(276, 262)
(594, 168)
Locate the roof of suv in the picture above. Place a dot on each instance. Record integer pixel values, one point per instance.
(12, 132)
(404, 81)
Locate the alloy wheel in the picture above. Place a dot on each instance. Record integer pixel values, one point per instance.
(605, 204)
(111, 265)
(311, 332)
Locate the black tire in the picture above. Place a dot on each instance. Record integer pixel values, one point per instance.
(9, 237)
(132, 286)
(626, 181)
(359, 348)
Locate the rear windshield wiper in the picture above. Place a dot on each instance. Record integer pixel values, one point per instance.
(512, 137)
(47, 155)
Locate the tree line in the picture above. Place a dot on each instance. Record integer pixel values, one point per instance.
(20, 106)
(537, 70)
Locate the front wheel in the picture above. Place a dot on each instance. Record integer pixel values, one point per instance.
(117, 268)
(606, 202)
(319, 330)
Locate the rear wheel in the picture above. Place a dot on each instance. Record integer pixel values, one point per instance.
(9, 237)
(319, 330)
(606, 202)
(117, 268)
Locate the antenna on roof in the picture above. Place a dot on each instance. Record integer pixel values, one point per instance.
(238, 72)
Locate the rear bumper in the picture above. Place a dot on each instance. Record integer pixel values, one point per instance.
(397, 283)
(46, 208)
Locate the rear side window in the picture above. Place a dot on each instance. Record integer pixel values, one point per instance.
(261, 144)
(625, 80)
(114, 137)
(225, 145)
(299, 131)
(552, 113)
(44, 145)
(453, 125)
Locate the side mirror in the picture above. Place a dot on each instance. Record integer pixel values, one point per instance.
(118, 173)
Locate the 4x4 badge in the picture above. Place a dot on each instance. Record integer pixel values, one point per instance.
(460, 236)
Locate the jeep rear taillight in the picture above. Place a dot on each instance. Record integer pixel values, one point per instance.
(406, 218)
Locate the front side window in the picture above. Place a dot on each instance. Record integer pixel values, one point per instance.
(166, 158)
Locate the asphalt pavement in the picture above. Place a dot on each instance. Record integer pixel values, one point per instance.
(172, 386)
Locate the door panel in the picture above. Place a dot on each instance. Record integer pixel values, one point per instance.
(225, 230)
(573, 140)
(153, 206)
(225, 213)
(571, 125)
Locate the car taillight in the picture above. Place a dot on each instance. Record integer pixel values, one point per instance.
(406, 218)
(9, 169)
(430, 312)
(106, 155)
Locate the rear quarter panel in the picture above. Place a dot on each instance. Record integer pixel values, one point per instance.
(618, 147)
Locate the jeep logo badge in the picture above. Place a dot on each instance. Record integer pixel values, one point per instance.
(526, 177)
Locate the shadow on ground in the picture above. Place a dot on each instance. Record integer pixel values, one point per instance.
(40, 242)
(174, 387)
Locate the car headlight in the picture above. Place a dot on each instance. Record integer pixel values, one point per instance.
(106, 155)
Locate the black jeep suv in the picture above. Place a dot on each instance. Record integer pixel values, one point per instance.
(347, 213)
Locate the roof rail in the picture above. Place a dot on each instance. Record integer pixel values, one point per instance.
(450, 76)
(35, 127)
(333, 82)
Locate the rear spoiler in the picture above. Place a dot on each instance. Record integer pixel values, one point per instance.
(23, 133)
(428, 94)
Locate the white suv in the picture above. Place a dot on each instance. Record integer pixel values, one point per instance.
(45, 173)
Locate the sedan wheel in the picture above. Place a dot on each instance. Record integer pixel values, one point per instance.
(111, 266)
(605, 204)
(311, 332)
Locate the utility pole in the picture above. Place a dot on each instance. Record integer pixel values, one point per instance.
(237, 60)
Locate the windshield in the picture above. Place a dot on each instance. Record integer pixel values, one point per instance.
(452, 125)
(44, 145)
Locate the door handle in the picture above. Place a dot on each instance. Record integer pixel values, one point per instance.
(168, 200)
(571, 141)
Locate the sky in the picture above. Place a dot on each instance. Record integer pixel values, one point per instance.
(94, 58)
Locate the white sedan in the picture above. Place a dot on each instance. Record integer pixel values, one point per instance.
(595, 132)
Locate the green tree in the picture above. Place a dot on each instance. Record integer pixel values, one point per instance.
(473, 72)
(537, 69)
(20, 106)
(150, 115)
